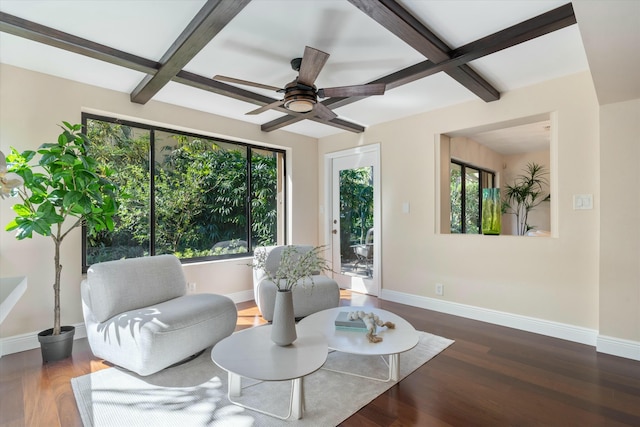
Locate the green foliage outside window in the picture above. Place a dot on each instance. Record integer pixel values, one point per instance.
(356, 207)
(199, 191)
(456, 199)
(465, 181)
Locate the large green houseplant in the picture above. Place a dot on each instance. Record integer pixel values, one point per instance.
(526, 192)
(65, 189)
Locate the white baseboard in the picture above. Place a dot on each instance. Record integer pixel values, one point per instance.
(28, 341)
(516, 321)
(603, 344)
(618, 347)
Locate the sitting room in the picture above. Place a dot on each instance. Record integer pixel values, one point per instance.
(193, 193)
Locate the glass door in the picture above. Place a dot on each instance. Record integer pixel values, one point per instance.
(354, 223)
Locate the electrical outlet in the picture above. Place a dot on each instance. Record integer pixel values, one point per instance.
(191, 287)
(439, 289)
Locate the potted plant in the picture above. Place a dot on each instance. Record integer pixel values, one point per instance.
(525, 194)
(65, 189)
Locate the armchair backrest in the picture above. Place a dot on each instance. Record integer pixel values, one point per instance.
(114, 287)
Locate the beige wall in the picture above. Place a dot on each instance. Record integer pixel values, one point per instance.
(585, 276)
(555, 279)
(31, 106)
(469, 151)
(620, 225)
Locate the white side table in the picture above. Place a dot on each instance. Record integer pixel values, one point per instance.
(394, 341)
(252, 354)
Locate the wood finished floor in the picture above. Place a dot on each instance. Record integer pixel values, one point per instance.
(491, 376)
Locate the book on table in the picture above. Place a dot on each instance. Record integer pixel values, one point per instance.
(343, 323)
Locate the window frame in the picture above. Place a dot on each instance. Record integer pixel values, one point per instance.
(248, 212)
(463, 195)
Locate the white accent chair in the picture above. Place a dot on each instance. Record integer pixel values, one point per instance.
(308, 297)
(138, 314)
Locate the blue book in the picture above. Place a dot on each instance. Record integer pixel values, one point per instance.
(351, 329)
(343, 321)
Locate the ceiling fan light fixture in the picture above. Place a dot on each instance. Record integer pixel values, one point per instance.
(299, 105)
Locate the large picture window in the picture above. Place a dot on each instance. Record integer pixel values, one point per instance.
(185, 194)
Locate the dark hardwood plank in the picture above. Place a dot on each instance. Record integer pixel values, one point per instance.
(38, 397)
(491, 376)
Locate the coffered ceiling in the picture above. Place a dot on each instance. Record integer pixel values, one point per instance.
(429, 54)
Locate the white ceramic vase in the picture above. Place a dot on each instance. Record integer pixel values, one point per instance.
(283, 329)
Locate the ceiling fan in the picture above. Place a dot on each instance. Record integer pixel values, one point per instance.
(301, 95)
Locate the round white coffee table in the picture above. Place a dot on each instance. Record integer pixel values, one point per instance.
(251, 354)
(394, 341)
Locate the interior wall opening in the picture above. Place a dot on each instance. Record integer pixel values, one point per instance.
(514, 157)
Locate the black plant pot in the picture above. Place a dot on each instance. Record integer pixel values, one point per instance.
(56, 347)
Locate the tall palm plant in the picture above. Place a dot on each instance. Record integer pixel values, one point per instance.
(525, 194)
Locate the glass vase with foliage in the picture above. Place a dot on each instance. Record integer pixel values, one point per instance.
(491, 211)
(295, 265)
(525, 194)
(62, 191)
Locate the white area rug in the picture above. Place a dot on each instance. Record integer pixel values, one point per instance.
(195, 394)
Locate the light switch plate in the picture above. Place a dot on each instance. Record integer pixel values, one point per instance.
(582, 201)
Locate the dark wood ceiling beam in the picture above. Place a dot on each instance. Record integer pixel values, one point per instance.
(289, 120)
(46, 35)
(78, 45)
(400, 22)
(540, 25)
(530, 29)
(280, 122)
(209, 21)
(42, 34)
(340, 123)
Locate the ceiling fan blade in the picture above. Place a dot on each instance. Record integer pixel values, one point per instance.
(323, 112)
(312, 62)
(245, 82)
(356, 90)
(266, 107)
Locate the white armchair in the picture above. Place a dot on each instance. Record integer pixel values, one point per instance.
(138, 314)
